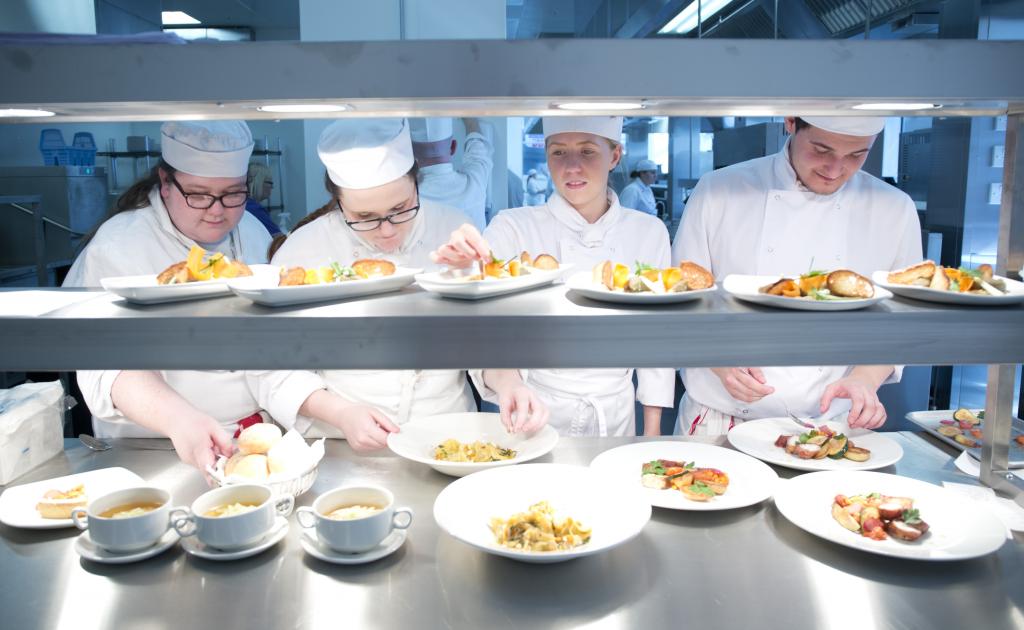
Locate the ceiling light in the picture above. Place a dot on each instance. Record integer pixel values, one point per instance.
(600, 105)
(177, 17)
(24, 113)
(686, 20)
(895, 107)
(303, 108)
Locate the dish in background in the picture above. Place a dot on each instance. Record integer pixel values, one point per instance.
(748, 289)
(452, 284)
(583, 284)
(934, 422)
(1015, 293)
(18, 503)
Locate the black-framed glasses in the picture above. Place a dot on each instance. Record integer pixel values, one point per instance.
(202, 201)
(395, 218)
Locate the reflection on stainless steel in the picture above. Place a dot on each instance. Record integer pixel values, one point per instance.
(740, 568)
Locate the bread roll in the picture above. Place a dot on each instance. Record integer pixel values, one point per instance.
(846, 283)
(924, 270)
(252, 466)
(229, 466)
(695, 276)
(259, 438)
(546, 262)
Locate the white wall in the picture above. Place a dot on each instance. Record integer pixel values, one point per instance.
(48, 16)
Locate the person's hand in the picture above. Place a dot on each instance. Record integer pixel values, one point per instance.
(744, 384)
(199, 442)
(521, 409)
(866, 411)
(463, 247)
(366, 428)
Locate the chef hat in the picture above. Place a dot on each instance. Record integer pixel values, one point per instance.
(605, 126)
(207, 148)
(645, 165)
(430, 129)
(366, 152)
(848, 125)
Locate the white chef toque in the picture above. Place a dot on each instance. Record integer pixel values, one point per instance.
(430, 129)
(645, 165)
(605, 126)
(366, 152)
(848, 125)
(207, 148)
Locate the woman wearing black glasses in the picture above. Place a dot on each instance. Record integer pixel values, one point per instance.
(375, 211)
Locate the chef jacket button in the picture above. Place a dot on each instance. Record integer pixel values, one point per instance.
(778, 197)
(744, 411)
(771, 250)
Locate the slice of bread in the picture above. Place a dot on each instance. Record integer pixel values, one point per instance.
(925, 270)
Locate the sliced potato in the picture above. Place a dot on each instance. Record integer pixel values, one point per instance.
(844, 518)
(857, 454)
(966, 415)
(949, 431)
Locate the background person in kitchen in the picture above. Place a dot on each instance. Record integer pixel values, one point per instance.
(375, 211)
(195, 196)
(434, 148)
(261, 183)
(808, 204)
(581, 224)
(638, 194)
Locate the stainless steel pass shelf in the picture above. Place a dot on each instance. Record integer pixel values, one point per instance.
(550, 328)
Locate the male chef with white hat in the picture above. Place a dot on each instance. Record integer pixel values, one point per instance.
(194, 196)
(434, 147)
(808, 205)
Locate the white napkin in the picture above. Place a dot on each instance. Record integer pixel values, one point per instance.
(314, 453)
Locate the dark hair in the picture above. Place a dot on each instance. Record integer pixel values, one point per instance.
(135, 198)
(335, 192)
(800, 124)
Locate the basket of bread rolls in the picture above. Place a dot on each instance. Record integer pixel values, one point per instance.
(263, 455)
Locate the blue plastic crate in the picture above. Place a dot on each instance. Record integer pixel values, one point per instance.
(55, 151)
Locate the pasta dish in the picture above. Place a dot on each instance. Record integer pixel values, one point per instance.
(477, 452)
(539, 530)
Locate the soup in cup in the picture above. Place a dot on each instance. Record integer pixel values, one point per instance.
(355, 519)
(126, 520)
(233, 516)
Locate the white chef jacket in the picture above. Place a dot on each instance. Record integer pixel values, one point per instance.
(757, 218)
(465, 190)
(400, 394)
(587, 401)
(145, 241)
(639, 196)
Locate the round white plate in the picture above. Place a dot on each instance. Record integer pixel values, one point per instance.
(1015, 295)
(90, 551)
(582, 284)
(746, 288)
(391, 543)
(417, 439)
(18, 503)
(612, 509)
(145, 290)
(958, 527)
(265, 290)
(453, 285)
(279, 530)
(750, 481)
(757, 439)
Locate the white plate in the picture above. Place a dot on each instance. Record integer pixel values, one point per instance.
(959, 528)
(145, 290)
(18, 503)
(757, 439)
(750, 481)
(88, 550)
(1015, 295)
(746, 288)
(391, 543)
(613, 511)
(264, 289)
(447, 284)
(193, 546)
(582, 284)
(417, 439)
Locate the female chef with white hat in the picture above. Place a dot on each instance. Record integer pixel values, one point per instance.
(809, 204)
(581, 224)
(638, 194)
(376, 211)
(194, 196)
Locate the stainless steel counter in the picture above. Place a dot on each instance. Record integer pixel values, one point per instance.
(747, 568)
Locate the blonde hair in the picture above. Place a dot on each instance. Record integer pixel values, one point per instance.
(258, 173)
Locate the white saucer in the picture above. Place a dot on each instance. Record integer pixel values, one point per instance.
(388, 546)
(90, 551)
(192, 545)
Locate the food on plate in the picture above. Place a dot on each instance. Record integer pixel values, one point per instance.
(927, 274)
(58, 504)
(352, 512)
(199, 267)
(840, 284)
(696, 484)
(230, 509)
(499, 269)
(965, 428)
(362, 269)
(539, 529)
(131, 510)
(878, 517)
(454, 451)
(821, 443)
(258, 438)
(644, 278)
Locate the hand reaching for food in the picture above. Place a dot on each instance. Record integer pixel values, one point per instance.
(866, 411)
(744, 384)
(463, 247)
(199, 443)
(521, 409)
(366, 428)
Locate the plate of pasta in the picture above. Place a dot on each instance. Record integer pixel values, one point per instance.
(458, 444)
(541, 513)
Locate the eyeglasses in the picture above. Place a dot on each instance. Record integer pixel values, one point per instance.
(202, 201)
(395, 218)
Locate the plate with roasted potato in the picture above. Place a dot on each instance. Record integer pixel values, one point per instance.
(333, 281)
(930, 282)
(641, 283)
(497, 276)
(837, 290)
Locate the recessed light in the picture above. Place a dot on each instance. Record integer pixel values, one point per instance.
(177, 17)
(895, 107)
(24, 113)
(602, 106)
(303, 108)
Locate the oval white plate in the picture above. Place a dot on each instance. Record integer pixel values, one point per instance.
(264, 289)
(958, 528)
(450, 284)
(417, 439)
(145, 290)
(582, 284)
(18, 503)
(757, 439)
(613, 511)
(746, 288)
(1015, 295)
(750, 481)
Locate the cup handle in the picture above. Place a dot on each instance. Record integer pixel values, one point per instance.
(185, 523)
(76, 515)
(284, 505)
(400, 511)
(304, 511)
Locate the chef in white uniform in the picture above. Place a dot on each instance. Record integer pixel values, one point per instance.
(376, 212)
(434, 148)
(808, 205)
(581, 224)
(638, 194)
(195, 196)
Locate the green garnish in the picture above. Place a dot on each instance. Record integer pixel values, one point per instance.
(497, 261)
(911, 517)
(655, 467)
(702, 488)
(980, 415)
(814, 273)
(875, 495)
(974, 273)
(804, 437)
(823, 295)
(342, 271)
(954, 285)
(642, 267)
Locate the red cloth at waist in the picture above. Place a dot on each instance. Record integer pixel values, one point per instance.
(247, 422)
